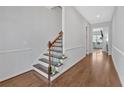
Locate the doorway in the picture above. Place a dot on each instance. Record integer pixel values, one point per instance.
(100, 39)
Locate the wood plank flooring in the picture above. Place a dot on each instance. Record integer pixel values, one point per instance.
(28, 79)
(95, 70)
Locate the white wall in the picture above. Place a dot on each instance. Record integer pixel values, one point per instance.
(118, 41)
(74, 26)
(24, 34)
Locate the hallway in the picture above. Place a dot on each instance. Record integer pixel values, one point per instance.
(95, 70)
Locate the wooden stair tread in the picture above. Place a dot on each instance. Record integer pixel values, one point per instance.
(58, 42)
(53, 55)
(57, 46)
(56, 50)
(41, 68)
(54, 63)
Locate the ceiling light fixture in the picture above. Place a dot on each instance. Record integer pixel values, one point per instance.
(98, 16)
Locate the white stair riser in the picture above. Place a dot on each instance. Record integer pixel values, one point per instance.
(41, 72)
(46, 65)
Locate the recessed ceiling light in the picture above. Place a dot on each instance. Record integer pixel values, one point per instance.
(98, 16)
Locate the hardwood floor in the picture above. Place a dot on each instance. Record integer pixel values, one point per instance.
(95, 70)
(28, 79)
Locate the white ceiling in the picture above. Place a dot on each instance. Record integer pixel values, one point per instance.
(96, 14)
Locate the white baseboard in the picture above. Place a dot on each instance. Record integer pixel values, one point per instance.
(72, 61)
(16, 74)
(68, 66)
(118, 60)
(64, 70)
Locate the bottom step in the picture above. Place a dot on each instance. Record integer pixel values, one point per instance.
(41, 68)
(44, 69)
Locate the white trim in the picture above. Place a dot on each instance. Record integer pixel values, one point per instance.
(15, 50)
(41, 72)
(14, 75)
(121, 52)
(74, 48)
(63, 27)
(66, 69)
(118, 58)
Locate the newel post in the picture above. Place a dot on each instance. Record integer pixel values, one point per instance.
(49, 67)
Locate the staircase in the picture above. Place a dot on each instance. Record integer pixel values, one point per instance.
(51, 62)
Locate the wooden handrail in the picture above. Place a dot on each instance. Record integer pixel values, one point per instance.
(49, 47)
(60, 34)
